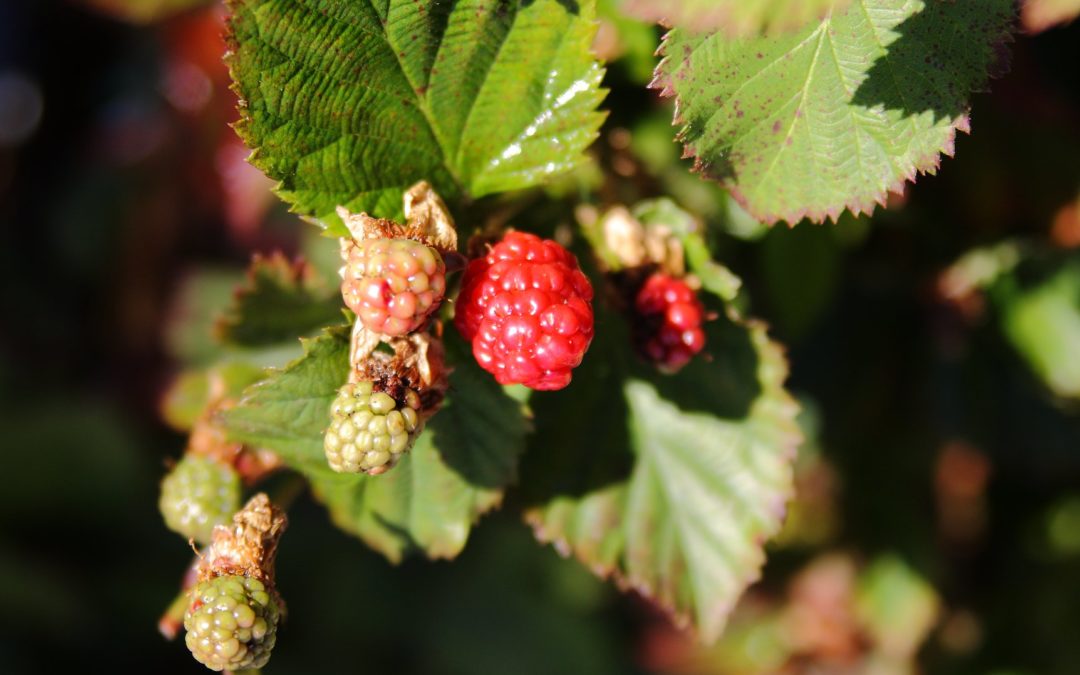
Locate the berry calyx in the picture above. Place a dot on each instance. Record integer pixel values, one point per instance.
(231, 622)
(392, 285)
(370, 430)
(669, 317)
(199, 493)
(526, 308)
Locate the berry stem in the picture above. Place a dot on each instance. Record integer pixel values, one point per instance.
(173, 619)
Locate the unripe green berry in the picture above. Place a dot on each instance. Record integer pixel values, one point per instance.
(370, 431)
(199, 493)
(231, 623)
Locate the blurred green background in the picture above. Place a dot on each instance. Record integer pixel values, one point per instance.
(936, 349)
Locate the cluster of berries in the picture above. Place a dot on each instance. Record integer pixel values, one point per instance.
(525, 307)
(393, 280)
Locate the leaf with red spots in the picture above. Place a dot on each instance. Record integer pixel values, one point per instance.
(668, 484)
(839, 114)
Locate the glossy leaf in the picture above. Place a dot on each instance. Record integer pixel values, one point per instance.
(348, 102)
(457, 470)
(838, 114)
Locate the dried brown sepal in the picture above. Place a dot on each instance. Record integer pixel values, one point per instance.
(632, 244)
(426, 211)
(417, 363)
(427, 220)
(248, 546)
(362, 344)
(665, 249)
(624, 237)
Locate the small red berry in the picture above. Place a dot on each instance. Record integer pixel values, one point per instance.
(669, 318)
(393, 285)
(526, 308)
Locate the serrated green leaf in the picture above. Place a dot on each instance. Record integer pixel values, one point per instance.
(668, 484)
(279, 301)
(456, 472)
(838, 114)
(734, 18)
(349, 102)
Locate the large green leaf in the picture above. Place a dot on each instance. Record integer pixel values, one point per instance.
(733, 17)
(838, 114)
(349, 102)
(457, 470)
(668, 484)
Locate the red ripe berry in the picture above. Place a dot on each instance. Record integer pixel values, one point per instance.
(669, 317)
(393, 285)
(527, 309)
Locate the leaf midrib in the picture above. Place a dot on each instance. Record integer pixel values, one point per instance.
(781, 147)
(421, 101)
